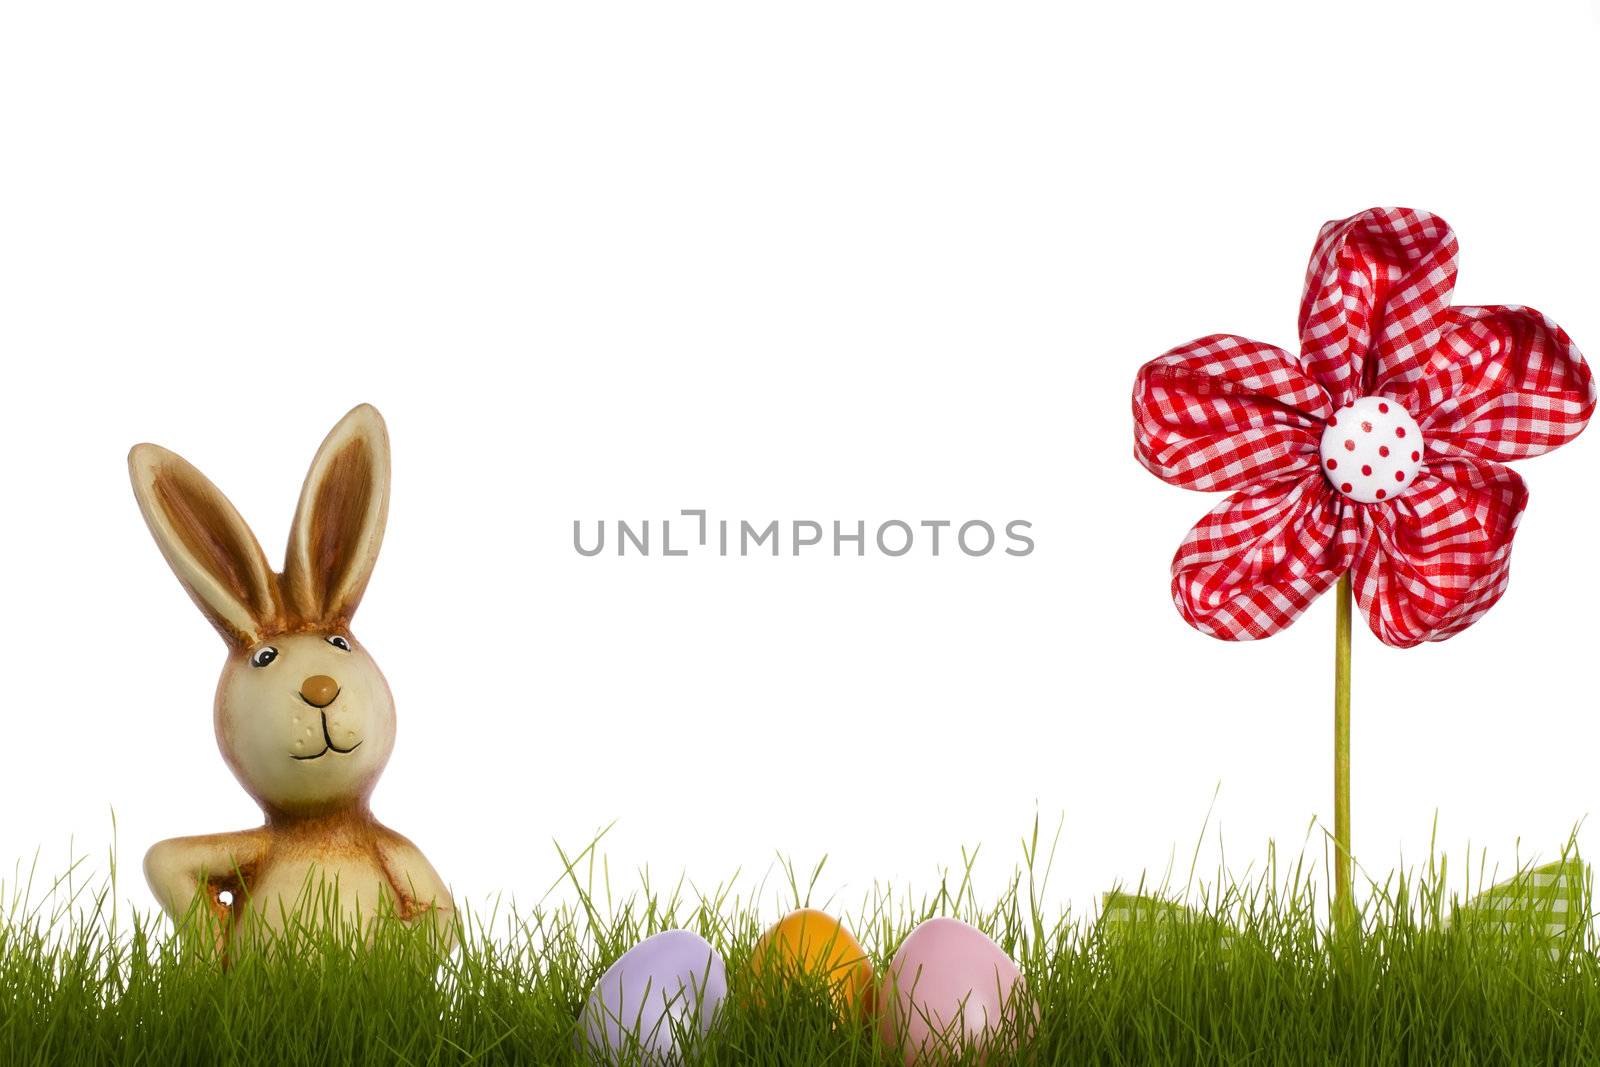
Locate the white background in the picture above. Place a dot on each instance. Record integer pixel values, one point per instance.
(849, 261)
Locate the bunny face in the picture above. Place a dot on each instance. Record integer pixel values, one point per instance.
(305, 721)
(303, 717)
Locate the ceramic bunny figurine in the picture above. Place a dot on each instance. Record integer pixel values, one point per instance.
(303, 716)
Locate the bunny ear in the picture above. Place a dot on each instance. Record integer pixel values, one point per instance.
(206, 543)
(339, 523)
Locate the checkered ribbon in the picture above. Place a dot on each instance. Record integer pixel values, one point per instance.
(1551, 901)
(1227, 414)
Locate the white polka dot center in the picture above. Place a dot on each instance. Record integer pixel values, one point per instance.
(1372, 450)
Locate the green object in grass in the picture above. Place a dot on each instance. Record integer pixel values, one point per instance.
(1129, 915)
(1549, 901)
(1119, 910)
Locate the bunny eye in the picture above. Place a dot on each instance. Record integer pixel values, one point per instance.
(264, 655)
(342, 643)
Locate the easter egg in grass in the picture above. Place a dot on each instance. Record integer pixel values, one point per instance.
(949, 987)
(813, 944)
(658, 993)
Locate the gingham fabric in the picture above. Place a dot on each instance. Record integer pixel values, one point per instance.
(1227, 414)
(1126, 915)
(1549, 901)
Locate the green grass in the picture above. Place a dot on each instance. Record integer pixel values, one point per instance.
(1249, 975)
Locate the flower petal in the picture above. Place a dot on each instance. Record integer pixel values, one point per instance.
(1259, 559)
(1503, 383)
(1433, 561)
(1224, 413)
(1375, 287)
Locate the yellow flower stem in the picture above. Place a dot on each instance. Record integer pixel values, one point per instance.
(1344, 904)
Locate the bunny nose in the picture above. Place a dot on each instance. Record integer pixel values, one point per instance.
(319, 690)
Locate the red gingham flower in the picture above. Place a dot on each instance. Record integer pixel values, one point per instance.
(1321, 452)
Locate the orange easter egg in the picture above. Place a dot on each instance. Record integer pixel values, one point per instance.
(813, 942)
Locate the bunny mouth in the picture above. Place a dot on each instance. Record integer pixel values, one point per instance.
(327, 745)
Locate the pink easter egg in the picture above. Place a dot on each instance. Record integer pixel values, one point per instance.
(948, 983)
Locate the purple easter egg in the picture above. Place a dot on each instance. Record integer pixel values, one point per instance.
(947, 983)
(655, 990)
